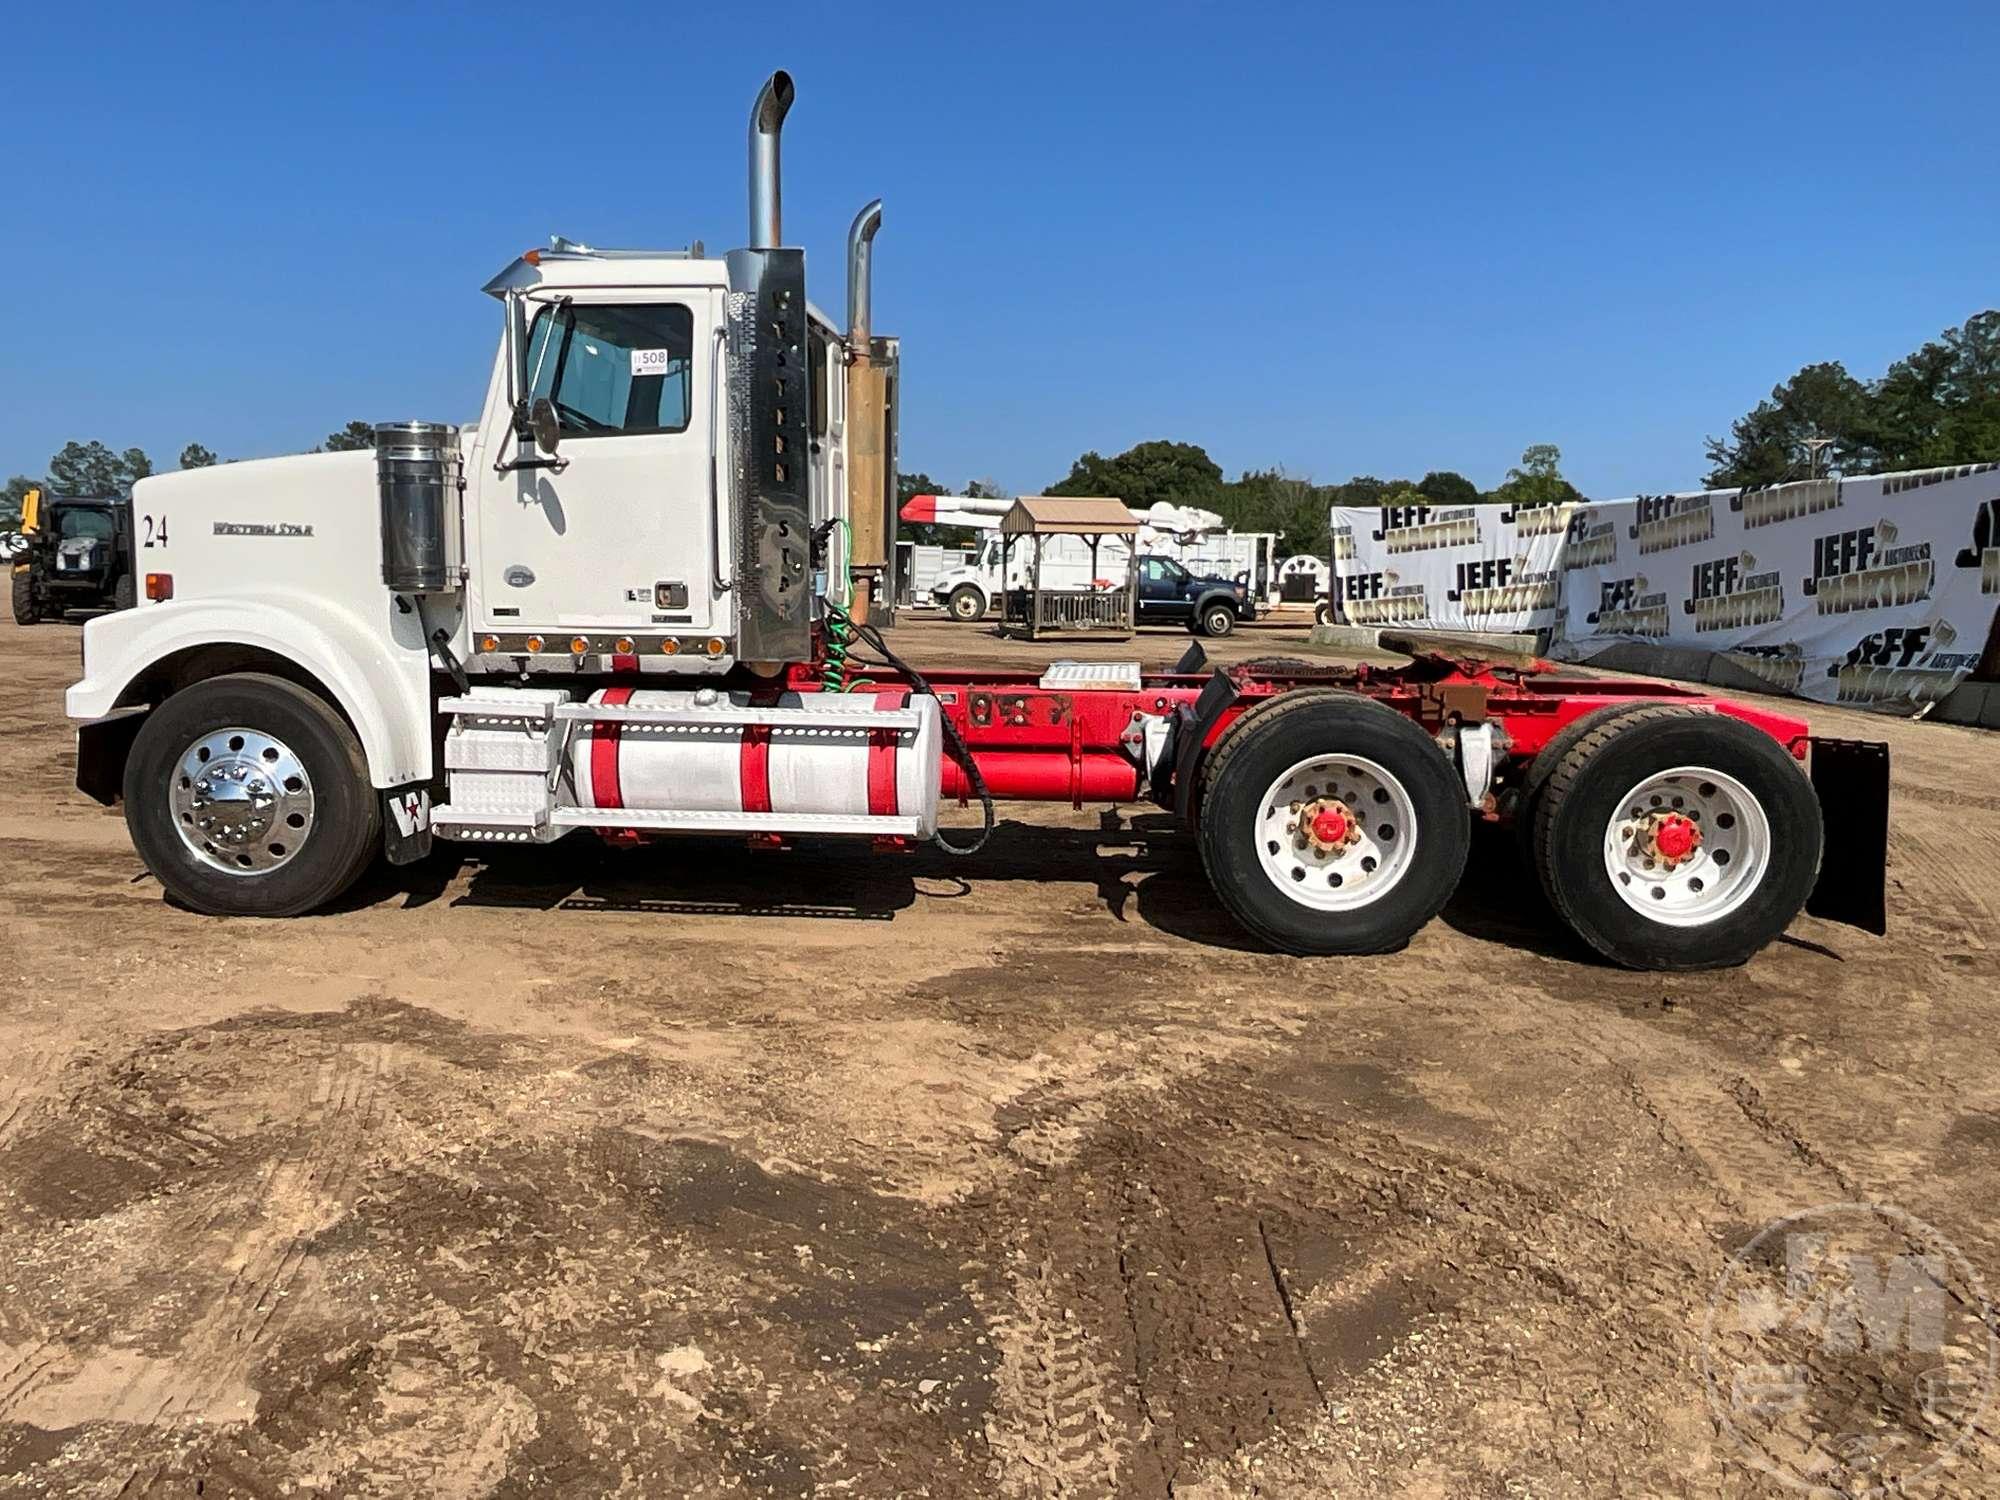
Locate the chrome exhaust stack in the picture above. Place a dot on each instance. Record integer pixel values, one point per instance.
(767, 120)
(861, 279)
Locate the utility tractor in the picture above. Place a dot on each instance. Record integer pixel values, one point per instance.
(77, 555)
(631, 600)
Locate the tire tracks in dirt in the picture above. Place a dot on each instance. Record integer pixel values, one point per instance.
(304, 1191)
(1053, 1433)
(27, 1078)
(259, 1248)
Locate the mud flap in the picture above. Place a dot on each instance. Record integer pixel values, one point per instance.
(1851, 780)
(1191, 731)
(102, 749)
(406, 823)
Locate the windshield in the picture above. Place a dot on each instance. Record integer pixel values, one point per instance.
(94, 524)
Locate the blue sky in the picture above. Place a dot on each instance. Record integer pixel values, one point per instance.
(1342, 239)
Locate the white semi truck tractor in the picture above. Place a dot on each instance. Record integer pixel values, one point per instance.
(626, 601)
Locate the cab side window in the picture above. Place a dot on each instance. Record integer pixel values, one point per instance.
(817, 374)
(613, 369)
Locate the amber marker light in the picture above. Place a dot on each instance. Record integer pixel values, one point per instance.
(534, 643)
(625, 645)
(669, 646)
(489, 644)
(715, 645)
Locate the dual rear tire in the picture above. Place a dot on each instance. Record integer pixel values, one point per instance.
(1330, 824)
(1665, 837)
(1675, 838)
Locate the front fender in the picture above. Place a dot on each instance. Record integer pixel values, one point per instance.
(378, 673)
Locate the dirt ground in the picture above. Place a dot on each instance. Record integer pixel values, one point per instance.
(696, 1170)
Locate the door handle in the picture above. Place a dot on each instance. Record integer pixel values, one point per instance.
(715, 375)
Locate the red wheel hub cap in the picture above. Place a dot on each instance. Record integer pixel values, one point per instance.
(1676, 837)
(1329, 826)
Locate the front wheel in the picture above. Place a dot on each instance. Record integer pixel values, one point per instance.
(246, 795)
(1331, 824)
(966, 603)
(1671, 838)
(123, 595)
(1217, 620)
(26, 609)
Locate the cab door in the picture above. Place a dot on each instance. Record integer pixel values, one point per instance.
(1159, 590)
(622, 535)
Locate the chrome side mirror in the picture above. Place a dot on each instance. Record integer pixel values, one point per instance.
(543, 423)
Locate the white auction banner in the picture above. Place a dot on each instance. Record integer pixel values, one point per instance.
(1449, 567)
(1876, 592)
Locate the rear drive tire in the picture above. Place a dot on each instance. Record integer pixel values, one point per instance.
(247, 795)
(25, 610)
(966, 603)
(123, 595)
(1675, 838)
(1535, 780)
(1217, 620)
(1323, 613)
(1381, 811)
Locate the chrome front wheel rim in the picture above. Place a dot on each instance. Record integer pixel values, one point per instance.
(242, 801)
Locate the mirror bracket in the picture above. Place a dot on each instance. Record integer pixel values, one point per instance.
(536, 422)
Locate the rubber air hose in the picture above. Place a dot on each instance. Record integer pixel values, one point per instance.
(960, 751)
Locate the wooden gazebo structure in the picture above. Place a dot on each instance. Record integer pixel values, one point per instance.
(1045, 609)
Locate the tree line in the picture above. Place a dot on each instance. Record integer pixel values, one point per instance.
(1937, 406)
(95, 469)
(1259, 499)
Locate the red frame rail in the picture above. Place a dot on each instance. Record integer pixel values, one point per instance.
(1039, 744)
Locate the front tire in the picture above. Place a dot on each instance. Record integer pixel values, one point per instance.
(966, 603)
(1217, 620)
(123, 594)
(1330, 824)
(26, 609)
(247, 795)
(1672, 838)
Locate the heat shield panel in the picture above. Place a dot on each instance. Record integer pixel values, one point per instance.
(769, 460)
